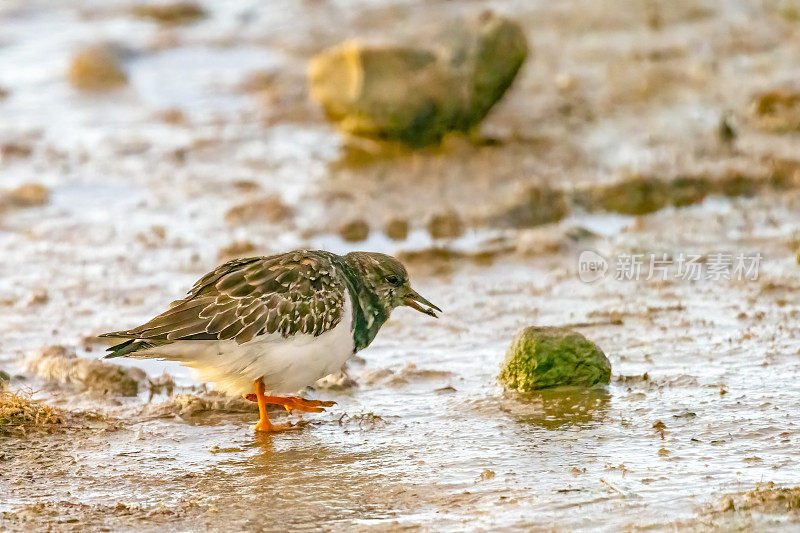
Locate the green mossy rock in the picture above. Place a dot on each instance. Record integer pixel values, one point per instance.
(544, 357)
(417, 95)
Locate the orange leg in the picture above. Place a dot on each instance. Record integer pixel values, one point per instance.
(288, 403)
(263, 421)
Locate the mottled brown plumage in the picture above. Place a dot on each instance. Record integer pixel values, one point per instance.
(289, 293)
(276, 323)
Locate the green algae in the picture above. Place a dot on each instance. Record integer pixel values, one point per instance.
(544, 357)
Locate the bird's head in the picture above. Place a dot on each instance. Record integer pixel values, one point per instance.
(386, 277)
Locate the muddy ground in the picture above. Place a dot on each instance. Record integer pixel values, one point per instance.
(207, 147)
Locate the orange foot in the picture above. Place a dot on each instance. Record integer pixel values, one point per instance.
(265, 426)
(293, 402)
(289, 403)
(299, 404)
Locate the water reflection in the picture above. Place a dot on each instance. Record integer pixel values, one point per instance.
(558, 408)
(300, 480)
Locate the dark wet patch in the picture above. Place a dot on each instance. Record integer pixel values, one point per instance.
(171, 14)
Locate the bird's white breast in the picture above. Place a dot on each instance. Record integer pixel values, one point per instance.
(287, 365)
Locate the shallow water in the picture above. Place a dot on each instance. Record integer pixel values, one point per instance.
(434, 446)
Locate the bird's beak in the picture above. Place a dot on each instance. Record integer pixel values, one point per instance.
(413, 300)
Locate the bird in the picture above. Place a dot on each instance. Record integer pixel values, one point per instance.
(266, 327)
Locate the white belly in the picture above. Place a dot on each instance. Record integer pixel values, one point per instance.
(286, 365)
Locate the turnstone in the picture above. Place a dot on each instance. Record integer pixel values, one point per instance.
(276, 324)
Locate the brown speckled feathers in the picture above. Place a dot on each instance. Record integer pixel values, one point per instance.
(296, 292)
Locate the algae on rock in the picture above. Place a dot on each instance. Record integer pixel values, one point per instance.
(544, 357)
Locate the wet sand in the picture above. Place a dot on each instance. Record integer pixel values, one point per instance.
(703, 392)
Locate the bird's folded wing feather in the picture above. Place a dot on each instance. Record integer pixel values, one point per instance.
(292, 293)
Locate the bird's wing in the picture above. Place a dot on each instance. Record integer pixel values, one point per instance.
(297, 292)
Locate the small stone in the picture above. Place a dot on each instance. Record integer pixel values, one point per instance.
(258, 82)
(354, 231)
(777, 110)
(338, 381)
(28, 195)
(543, 357)
(39, 296)
(272, 209)
(397, 229)
(172, 116)
(537, 205)
(537, 241)
(580, 234)
(246, 186)
(96, 68)
(158, 231)
(446, 225)
(236, 249)
(566, 82)
(12, 150)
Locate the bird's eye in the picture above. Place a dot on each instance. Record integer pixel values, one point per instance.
(392, 279)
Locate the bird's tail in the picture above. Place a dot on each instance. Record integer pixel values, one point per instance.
(131, 346)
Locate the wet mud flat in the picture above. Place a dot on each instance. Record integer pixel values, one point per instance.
(700, 406)
(114, 203)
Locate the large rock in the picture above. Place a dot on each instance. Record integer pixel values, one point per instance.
(417, 95)
(487, 52)
(543, 357)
